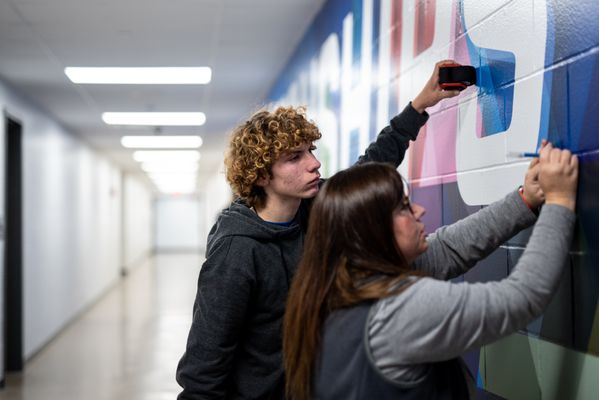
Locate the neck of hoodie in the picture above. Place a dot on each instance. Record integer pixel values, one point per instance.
(278, 210)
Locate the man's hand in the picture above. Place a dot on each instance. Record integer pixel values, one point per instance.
(432, 93)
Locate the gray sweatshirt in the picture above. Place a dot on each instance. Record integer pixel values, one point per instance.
(434, 320)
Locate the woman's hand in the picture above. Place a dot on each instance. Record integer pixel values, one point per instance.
(558, 176)
(432, 93)
(532, 189)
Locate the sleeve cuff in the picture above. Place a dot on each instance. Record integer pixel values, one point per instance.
(409, 117)
(516, 200)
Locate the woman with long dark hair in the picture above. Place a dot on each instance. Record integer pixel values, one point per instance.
(371, 315)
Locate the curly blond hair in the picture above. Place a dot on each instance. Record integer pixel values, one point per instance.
(259, 142)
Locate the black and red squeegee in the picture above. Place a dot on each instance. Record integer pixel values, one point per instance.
(456, 77)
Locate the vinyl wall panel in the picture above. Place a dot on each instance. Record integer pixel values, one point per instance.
(538, 69)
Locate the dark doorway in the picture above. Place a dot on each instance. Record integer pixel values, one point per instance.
(13, 250)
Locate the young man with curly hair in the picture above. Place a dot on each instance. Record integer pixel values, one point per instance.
(234, 344)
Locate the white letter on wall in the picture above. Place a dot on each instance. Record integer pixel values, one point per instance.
(485, 170)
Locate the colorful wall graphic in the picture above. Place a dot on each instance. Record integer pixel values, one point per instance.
(537, 62)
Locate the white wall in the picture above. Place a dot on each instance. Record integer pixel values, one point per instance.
(216, 195)
(71, 223)
(138, 223)
(183, 223)
(177, 223)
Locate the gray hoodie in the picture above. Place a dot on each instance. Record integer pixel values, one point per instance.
(240, 305)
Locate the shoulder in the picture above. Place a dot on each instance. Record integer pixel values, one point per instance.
(231, 254)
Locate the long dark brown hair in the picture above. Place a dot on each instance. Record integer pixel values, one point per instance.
(350, 256)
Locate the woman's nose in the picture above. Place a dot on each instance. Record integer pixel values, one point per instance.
(418, 210)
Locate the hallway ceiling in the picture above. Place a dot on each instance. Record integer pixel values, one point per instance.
(245, 42)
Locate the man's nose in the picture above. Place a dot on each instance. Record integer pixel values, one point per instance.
(314, 163)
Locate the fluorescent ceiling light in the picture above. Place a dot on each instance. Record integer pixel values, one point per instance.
(173, 178)
(176, 188)
(165, 156)
(176, 185)
(169, 167)
(175, 191)
(140, 76)
(155, 118)
(161, 142)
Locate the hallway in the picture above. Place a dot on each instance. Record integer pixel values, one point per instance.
(126, 346)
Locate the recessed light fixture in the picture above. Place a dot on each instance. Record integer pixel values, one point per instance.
(170, 166)
(177, 191)
(161, 142)
(172, 178)
(181, 187)
(140, 76)
(166, 155)
(155, 118)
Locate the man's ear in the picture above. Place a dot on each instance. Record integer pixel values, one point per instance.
(263, 181)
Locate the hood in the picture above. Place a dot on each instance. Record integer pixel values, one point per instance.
(239, 220)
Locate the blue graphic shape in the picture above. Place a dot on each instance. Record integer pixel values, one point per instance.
(496, 91)
(547, 105)
(585, 271)
(472, 361)
(354, 146)
(586, 282)
(357, 11)
(556, 323)
(328, 21)
(557, 126)
(495, 77)
(575, 28)
(583, 78)
(376, 34)
(494, 267)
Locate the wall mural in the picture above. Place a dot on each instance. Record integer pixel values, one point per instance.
(360, 63)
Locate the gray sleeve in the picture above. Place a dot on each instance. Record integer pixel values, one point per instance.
(454, 249)
(435, 320)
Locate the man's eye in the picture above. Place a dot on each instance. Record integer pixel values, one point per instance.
(312, 148)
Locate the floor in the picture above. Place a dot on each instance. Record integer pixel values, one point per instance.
(125, 347)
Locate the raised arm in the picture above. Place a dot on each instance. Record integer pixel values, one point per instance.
(393, 141)
(456, 248)
(434, 320)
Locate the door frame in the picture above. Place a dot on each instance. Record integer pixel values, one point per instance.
(13, 249)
